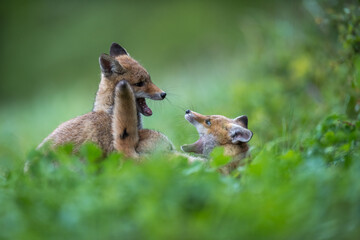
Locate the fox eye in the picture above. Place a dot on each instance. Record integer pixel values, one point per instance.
(208, 122)
(140, 84)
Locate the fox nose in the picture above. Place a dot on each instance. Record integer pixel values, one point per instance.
(163, 95)
(187, 111)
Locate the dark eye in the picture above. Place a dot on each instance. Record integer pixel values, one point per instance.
(208, 122)
(140, 84)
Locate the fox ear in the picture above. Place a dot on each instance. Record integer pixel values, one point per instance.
(242, 120)
(240, 134)
(109, 65)
(117, 50)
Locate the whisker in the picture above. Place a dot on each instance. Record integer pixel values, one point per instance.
(175, 105)
(171, 93)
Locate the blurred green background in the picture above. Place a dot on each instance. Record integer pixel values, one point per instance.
(228, 57)
(290, 66)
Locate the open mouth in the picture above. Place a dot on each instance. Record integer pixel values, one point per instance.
(196, 147)
(143, 107)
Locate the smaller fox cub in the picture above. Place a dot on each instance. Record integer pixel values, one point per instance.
(217, 130)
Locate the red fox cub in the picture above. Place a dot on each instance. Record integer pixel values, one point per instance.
(120, 66)
(114, 122)
(216, 130)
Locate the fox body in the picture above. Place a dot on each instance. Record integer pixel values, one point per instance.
(115, 122)
(217, 130)
(117, 131)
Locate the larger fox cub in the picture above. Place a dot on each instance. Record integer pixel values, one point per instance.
(120, 66)
(217, 130)
(114, 122)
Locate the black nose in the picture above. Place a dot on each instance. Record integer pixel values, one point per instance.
(163, 95)
(187, 111)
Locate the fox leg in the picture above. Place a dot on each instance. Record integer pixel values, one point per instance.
(125, 121)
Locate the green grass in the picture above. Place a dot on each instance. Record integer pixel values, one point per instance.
(286, 70)
(312, 192)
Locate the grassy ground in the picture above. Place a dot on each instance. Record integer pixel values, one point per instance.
(293, 73)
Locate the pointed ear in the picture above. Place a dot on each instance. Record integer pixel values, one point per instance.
(242, 120)
(117, 50)
(240, 134)
(109, 65)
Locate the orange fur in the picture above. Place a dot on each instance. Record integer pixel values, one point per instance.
(217, 130)
(115, 110)
(124, 124)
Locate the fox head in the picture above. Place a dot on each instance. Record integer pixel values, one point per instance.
(120, 66)
(216, 130)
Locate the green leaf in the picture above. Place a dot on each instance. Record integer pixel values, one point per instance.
(90, 152)
(218, 158)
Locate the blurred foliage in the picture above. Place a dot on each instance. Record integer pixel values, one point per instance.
(291, 67)
(342, 19)
(335, 140)
(285, 196)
